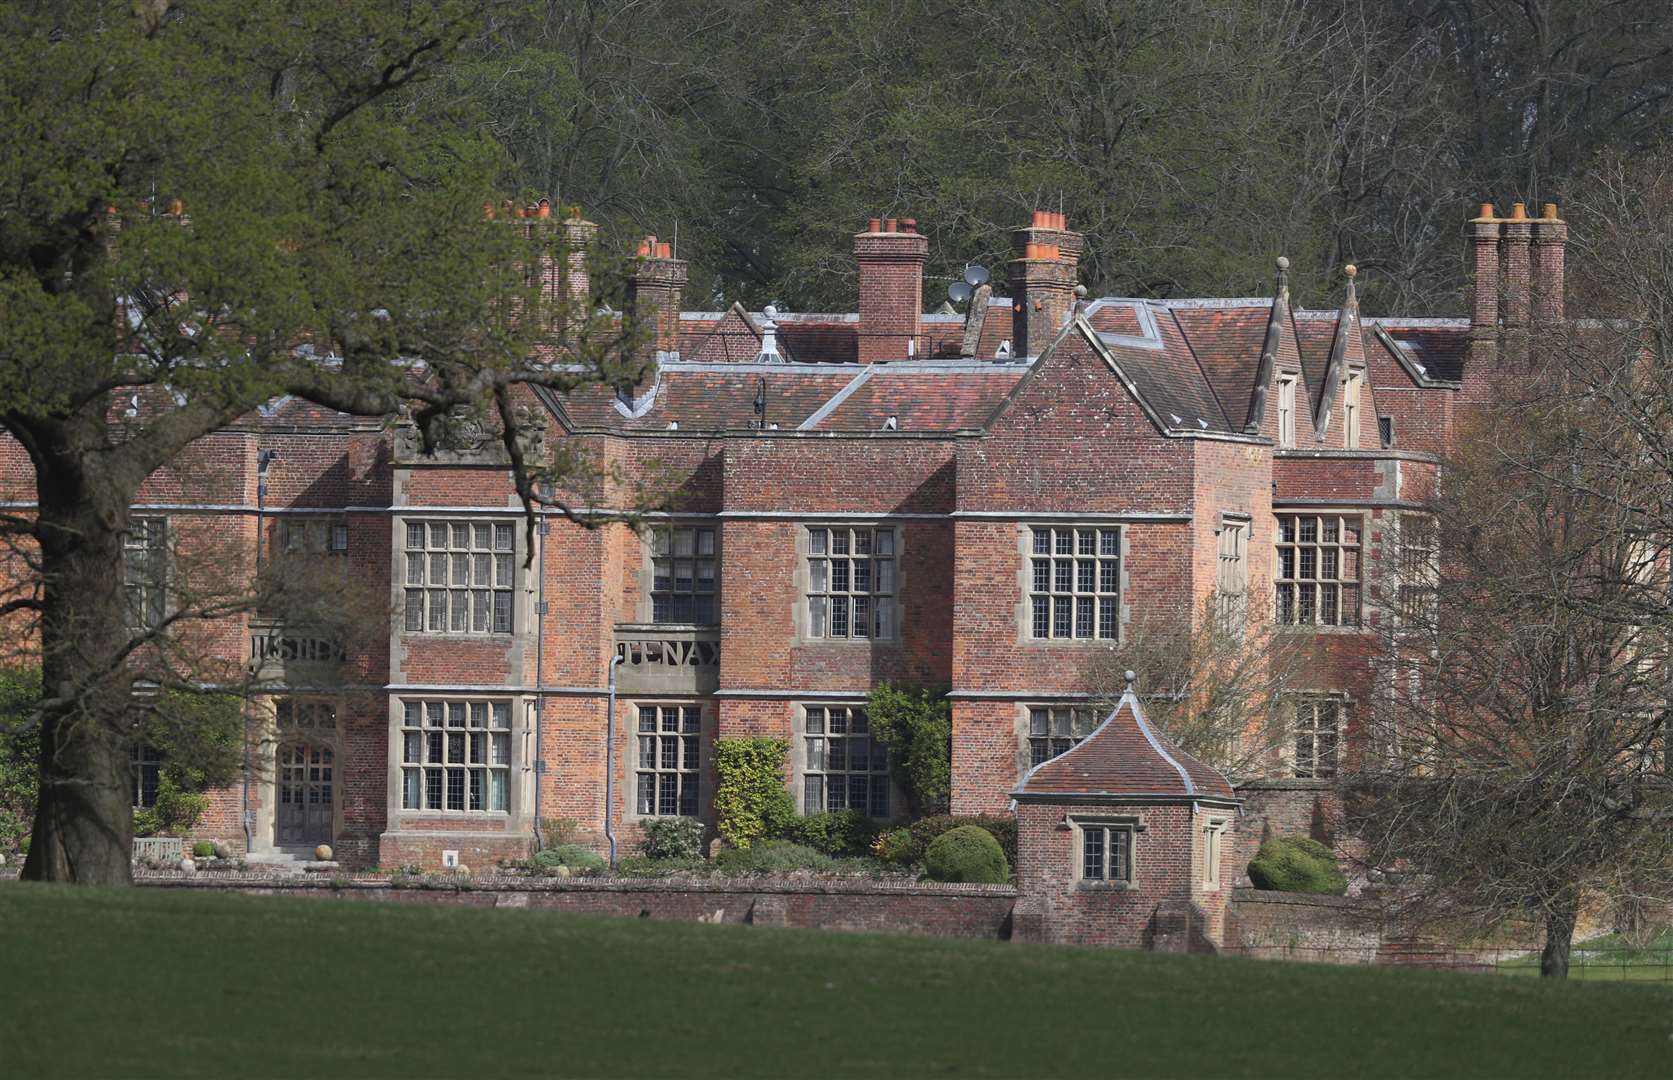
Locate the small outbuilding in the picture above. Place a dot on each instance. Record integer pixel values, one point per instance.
(1123, 840)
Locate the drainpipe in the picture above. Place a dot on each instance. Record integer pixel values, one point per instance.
(539, 674)
(610, 763)
(264, 458)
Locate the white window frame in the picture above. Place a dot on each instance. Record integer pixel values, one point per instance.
(1286, 410)
(1322, 584)
(418, 758)
(832, 579)
(1351, 389)
(1073, 575)
(467, 603)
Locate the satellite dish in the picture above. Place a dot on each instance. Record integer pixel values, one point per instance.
(958, 292)
(976, 275)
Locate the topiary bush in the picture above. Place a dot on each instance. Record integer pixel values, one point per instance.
(1003, 828)
(967, 853)
(1297, 864)
(677, 838)
(203, 849)
(573, 856)
(772, 857)
(844, 833)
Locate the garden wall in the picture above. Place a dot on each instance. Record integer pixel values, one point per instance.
(1298, 926)
(949, 911)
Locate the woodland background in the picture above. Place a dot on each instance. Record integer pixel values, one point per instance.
(1192, 140)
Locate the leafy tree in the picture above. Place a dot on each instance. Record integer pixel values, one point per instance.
(211, 205)
(915, 723)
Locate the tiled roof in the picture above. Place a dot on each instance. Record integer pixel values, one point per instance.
(1227, 343)
(1125, 756)
(1165, 372)
(710, 400)
(1438, 346)
(924, 397)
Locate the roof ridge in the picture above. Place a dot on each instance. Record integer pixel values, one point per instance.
(824, 411)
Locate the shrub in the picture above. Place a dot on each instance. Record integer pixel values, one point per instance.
(20, 744)
(1297, 864)
(894, 846)
(772, 857)
(678, 838)
(573, 856)
(843, 833)
(967, 853)
(1002, 827)
(751, 800)
(651, 868)
(915, 723)
(203, 849)
(560, 832)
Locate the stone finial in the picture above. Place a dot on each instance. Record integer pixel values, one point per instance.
(1131, 677)
(1283, 288)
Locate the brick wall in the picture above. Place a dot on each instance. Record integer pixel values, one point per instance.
(951, 911)
(1294, 926)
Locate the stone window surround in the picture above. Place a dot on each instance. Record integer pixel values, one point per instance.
(522, 589)
(1353, 395)
(1285, 384)
(1132, 824)
(803, 581)
(627, 737)
(147, 537)
(1024, 710)
(647, 571)
(1214, 832)
(1025, 580)
(798, 754)
(1344, 708)
(1362, 583)
(517, 770)
(1232, 604)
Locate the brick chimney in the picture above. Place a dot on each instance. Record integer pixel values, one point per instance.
(1485, 232)
(654, 289)
(1550, 239)
(891, 255)
(1042, 274)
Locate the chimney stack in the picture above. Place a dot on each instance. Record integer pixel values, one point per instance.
(1042, 271)
(1550, 239)
(891, 255)
(654, 291)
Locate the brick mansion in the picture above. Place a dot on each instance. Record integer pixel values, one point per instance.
(978, 500)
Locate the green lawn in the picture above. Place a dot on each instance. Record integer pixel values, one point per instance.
(1609, 959)
(150, 982)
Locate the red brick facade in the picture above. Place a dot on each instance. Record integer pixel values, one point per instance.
(1154, 421)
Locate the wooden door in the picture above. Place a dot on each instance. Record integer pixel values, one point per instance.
(306, 791)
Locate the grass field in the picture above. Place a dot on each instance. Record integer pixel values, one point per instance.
(1611, 958)
(147, 982)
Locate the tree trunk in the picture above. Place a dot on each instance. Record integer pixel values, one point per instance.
(83, 830)
(1559, 937)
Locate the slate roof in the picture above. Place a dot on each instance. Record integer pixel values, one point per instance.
(1128, 758)
(1438, 347)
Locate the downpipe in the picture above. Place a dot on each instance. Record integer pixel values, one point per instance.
(610, 763)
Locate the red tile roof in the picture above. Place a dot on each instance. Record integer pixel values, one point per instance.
(1125, 756)
(925, 399)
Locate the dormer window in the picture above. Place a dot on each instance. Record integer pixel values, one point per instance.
(1350, 409)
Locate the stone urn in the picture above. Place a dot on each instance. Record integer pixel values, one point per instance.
(323, 853)
(223, 850)
(187, 866)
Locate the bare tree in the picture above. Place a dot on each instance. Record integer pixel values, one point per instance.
(1216, 683)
